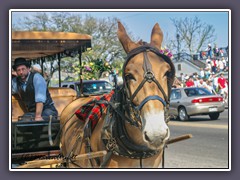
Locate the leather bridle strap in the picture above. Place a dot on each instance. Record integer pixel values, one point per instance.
(138, 89)
(139, 107)
(149, 77)
(147, 66)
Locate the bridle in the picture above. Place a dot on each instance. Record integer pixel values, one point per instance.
(148, 77)
(122, 109)
(114, 134)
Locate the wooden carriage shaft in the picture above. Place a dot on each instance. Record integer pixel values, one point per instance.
(38, 163)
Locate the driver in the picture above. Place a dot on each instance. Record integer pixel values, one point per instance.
(32, 89)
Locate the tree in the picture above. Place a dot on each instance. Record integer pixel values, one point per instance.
(194, 35)
(40, 22)
(105, 45)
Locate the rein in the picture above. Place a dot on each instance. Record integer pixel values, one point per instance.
(115, 136)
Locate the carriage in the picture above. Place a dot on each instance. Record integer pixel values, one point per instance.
(132, 121)
(31, 140)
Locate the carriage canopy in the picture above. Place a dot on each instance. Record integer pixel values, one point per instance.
(34, 44)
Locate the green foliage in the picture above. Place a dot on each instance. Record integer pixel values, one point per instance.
(105, 44)
(92, 70)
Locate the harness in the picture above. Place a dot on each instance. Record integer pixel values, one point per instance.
(121, 108)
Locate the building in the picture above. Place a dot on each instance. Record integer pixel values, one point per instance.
(186, 65)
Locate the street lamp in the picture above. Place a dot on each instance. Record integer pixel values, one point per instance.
(178, 46)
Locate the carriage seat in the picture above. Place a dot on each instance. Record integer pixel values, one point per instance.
(18, 107)
(61, 97)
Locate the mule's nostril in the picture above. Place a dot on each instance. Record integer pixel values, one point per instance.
(146, 137)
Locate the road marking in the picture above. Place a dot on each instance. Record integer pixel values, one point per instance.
(174, 123)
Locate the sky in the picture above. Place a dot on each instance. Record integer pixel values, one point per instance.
(141, 22)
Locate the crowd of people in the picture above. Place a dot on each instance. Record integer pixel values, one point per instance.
(211, 77)
(215, 51)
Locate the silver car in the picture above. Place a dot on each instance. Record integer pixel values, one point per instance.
(186, 102)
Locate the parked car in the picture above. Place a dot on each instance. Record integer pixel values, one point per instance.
(90, 87)
(186, 102)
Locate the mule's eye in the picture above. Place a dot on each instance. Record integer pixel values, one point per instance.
(167, 74)
(130, 77)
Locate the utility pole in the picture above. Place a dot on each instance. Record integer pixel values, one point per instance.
(178, 46)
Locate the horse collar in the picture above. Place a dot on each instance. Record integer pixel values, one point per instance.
(116, 139)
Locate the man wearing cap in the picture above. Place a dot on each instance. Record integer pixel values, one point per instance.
(209, 50)
(32, 89)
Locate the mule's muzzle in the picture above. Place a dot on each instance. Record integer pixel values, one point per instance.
(156, 141)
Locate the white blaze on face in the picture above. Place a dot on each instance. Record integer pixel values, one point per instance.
(155, 130)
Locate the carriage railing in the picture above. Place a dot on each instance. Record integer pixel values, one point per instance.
(32, 139)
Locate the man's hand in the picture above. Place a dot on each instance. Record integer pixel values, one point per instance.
(39, 108)
(14, 73)
(38, 118)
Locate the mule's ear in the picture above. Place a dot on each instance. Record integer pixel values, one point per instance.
(126, 42)
(156, 36)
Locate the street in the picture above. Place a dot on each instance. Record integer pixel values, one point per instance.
(208, 148)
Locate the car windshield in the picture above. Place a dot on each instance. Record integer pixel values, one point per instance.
(96, 88)
(197, 92)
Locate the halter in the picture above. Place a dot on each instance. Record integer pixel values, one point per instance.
(114, 133)
(148, 77)
(122, 108)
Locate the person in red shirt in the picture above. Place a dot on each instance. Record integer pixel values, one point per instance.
(222, 84)
(190, 82)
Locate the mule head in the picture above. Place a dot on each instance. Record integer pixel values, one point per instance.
(143, 73)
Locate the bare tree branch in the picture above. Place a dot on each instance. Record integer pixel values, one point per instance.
(193, 33)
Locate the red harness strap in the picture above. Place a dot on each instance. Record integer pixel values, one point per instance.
(95, 111)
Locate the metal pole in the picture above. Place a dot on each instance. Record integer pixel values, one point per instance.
(80, 74)
(178, 46)
(59, 70)
(42, 61)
